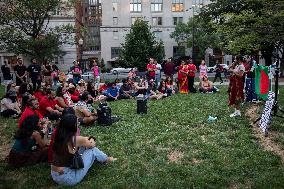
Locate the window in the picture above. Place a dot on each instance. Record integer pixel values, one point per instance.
(115, 21)
(135, 6)
(178, 51)
(157, 6)
(177, 5)
(177, 20)
(115, 34)
(115, 52)
(158, 34)
(114, 5)
(157, 21)
(133, 19)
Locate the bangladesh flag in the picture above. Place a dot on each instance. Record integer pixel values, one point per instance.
(261, 81)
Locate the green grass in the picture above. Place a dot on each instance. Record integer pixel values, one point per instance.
(223, 154)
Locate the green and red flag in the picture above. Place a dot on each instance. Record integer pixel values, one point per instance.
(262, 81)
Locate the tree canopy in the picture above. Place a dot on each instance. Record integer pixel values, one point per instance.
(140, 44)
(248, 26)
(204, 35)
(24, 28)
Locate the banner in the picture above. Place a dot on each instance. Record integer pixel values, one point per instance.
(261, 81)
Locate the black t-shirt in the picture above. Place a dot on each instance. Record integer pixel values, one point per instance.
(124, 88)
(6, 72)
(20, 69)
(34, 70)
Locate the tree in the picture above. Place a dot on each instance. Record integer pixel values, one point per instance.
(139, 46)
(248, 26)
(24, 28)
(204, 35)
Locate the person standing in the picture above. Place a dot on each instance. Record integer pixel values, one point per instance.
(182, 78)
(55, 74)
(218, 70)
(6, 73)
(157, 73)
(47, 70)
(169, 69)
(21, 72)
(34, 71)
(236, 86)
(191, 74)
(96, 71)
(76, 71)
(202, 70)
(151, 69)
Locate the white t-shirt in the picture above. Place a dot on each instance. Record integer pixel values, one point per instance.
(159, 67)
(8, 101)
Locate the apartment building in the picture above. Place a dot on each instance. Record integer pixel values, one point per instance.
(62, 16)
(162, 15)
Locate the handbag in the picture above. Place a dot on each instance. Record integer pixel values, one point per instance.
(77, 161)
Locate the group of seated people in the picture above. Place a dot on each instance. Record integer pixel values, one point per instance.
(32, 145)
(65, 109)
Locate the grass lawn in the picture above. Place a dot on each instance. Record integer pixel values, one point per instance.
(173, 146)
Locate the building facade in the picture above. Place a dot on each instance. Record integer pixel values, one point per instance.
(88, 22)
(162, 15)
(64, 15)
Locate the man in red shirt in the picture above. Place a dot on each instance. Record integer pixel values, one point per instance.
(151, 69)
(31, 109)
(48, 107)
(190, 76)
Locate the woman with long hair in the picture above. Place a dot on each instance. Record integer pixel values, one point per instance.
(236, 86)
(182, 78)
(66, 144)
(61, 93)
(30, 147)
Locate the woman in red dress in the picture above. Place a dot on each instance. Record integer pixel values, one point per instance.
(236, 86)
(182, 78)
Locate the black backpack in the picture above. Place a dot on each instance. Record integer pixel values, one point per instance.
(104, 114)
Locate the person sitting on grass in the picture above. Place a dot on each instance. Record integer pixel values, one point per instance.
(66, 143)
(103, 88)
(206, 86)
(152, 93)
(86, 116)
(170, 85)
(66, 111)
(163, 89)
(48, 106)
(29, 147)
(141, 87)
(32, 108)
(112, 93)
(124, 91)
(60, 99)
(73, 93)
(81, 87)
(9, 105)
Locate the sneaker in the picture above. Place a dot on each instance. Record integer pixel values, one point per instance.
(235, 114)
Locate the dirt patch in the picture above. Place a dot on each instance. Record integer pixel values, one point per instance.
(247, 184)
(266, 142)
(196, 161)
(175, 156)
(5, 145)
(4, 151)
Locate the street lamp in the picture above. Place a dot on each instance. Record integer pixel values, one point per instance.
(193, 33)
(81, 42)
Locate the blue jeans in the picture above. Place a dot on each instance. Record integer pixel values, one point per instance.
(72, 177)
